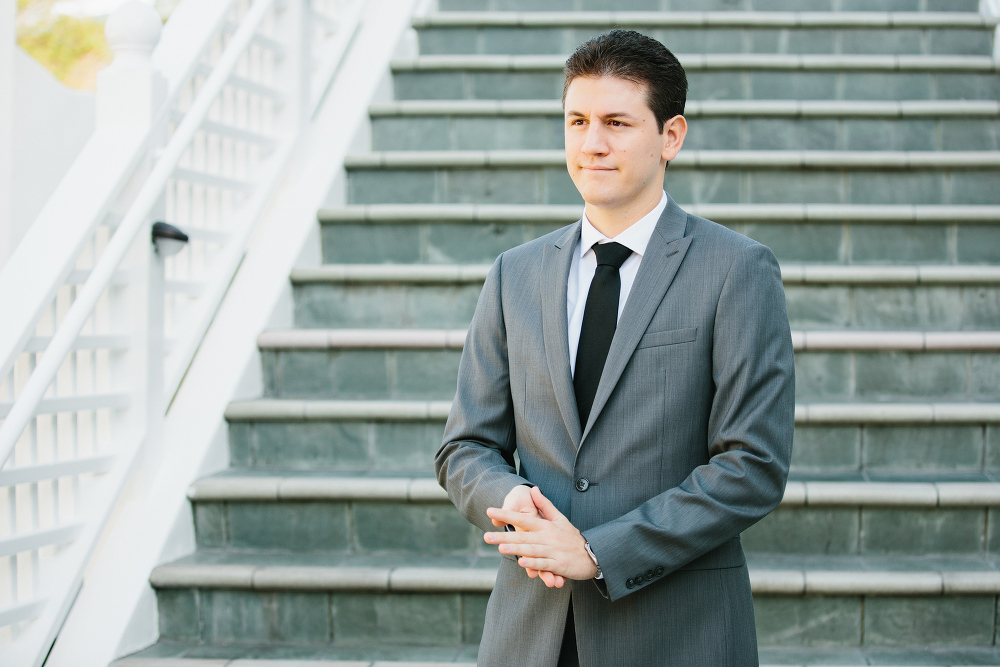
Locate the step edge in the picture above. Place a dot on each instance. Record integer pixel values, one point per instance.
(929, 494)
(715, 61)
(898, 109)
(792, 213)
(791, 274)
(708, 19)
(690, 159)
(803, 340)
(481, 580)
(298, 410)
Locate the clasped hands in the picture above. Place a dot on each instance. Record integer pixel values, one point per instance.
(548, 546)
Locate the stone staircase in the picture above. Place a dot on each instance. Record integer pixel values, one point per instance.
(860, 141)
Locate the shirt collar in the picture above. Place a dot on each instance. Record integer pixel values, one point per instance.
(635, 237)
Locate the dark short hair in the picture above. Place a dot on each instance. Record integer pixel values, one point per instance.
(632, 56)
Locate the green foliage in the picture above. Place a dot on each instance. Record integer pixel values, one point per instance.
(63, 43)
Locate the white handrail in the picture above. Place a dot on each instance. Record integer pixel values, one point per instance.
(242, 45)
(24, 408)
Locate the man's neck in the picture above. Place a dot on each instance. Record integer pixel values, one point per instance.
(613, 221)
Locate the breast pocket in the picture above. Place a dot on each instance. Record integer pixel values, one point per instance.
(670, 337)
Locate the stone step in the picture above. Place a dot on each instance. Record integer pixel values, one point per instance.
(714, 124)
(868, 160)
(700, 19)
(239, 656)
(519, 132)
(464, 233)
(707, 109)
(305, 512)
(924, 297)
(310, 601)
(698, 177)
(711, 32)
(715, 76)
(454, 339)
(190, 655)
(868, 438)
(844, 365)
(711, 5)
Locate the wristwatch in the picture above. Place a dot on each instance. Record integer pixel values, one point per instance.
(599, 575)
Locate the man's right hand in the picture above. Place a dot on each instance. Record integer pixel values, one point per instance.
(519, 500)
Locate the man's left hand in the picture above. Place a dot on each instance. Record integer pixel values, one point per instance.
(548, 543)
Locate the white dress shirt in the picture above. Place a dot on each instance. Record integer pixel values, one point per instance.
(581, 271)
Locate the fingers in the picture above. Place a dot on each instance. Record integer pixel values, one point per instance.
(545, 506)
(548, 578)
(552, 580)
(519, 499)
(517, 519)
(543, 565)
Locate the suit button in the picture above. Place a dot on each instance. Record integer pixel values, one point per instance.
(658, 571)
(629, 584)
(638, 580)
(582, 484)
(649, 575)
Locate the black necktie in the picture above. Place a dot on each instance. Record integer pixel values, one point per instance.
(600, 318)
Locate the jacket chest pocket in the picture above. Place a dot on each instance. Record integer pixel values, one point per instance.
(669, 337)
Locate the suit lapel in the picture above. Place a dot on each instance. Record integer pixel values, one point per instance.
(554, 274)
(664, 254)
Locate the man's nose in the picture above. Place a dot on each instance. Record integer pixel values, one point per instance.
(596, 141)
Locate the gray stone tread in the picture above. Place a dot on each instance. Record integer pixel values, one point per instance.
(175, 654)
(702, 108)
(770, 657)
(792, 213)
(276, 486)
(691, 159)
(707, 19)
(791, 274)
(716, 61)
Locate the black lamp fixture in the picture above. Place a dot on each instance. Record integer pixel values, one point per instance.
(167, 239)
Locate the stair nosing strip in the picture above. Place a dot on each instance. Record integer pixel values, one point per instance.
(706, 19)
(897, 109)
(791, 274)
(802, 340)
(928, 494)
(764, 581)
(822, 160)
(717, 61)
(777, 213)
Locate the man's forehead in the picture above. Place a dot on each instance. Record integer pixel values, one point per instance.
(607, 95)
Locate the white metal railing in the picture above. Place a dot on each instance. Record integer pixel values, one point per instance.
(195, 129)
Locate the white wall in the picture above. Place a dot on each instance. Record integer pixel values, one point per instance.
(51, 123)
(8, 9)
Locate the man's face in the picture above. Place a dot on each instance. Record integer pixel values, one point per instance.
(615, 152)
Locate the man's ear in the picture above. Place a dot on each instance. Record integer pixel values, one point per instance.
(674, 131)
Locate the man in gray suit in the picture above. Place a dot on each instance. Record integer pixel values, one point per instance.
(638, 363)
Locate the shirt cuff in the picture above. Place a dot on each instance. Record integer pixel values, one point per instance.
(600, 575)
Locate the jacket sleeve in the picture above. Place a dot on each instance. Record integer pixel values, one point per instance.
(475, 465)
(749, 439)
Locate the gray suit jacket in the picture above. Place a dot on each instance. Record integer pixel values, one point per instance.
(687, 445)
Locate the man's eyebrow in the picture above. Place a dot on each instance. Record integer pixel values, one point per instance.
(613, 114)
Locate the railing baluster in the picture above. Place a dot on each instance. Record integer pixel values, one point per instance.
(12, 524)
